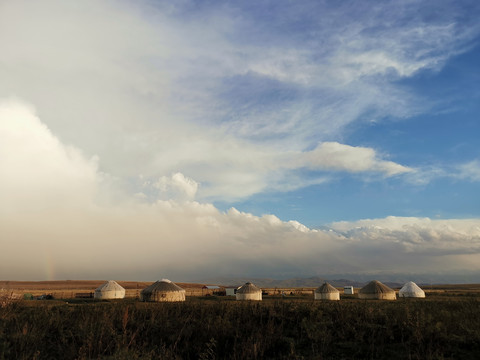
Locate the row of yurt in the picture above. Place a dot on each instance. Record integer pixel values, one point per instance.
(163, 290)
(373, 290)
(376, 290)
(166, 291)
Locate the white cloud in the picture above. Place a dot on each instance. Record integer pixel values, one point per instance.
(54, 220)
(259, 171)
(177, 186)
(416, 235)
(32, 160)
(469, 171)
(425, 174)
(335, 156)
(402, 50)
(153, 90)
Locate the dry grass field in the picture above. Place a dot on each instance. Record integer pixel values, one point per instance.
(445, 325)
(67, 289)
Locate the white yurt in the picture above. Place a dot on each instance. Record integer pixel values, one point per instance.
(249, 292)
(376, 290)
(163, 290)
(326, 292)
(109, 290)
(411, 290)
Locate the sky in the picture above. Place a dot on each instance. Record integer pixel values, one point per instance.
(188, 140)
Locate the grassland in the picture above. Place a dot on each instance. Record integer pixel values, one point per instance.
(68, 288)
(445, 325)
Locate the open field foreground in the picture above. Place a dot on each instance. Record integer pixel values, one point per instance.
(438, 327)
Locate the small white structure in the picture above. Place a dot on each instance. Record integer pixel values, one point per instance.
(326, 292)
(230, 291)
(376, 290)
(411, 290)
(161, 291)
(249, 292)
(348, 290)
(109, 290)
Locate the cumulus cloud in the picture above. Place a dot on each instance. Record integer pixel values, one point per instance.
(417, 235)
(177, 186)
(55, 225)
(32, 160)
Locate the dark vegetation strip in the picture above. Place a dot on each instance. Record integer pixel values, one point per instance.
(274, 329)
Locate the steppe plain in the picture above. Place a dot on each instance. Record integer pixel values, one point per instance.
(444, 325)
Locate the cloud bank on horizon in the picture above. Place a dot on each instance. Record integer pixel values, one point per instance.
(125, 127)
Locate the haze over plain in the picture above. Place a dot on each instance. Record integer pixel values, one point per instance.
(145, 139)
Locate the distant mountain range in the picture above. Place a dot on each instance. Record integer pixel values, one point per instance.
(389, 278)
(289, 283)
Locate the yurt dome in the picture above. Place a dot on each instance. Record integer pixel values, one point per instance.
(163, 290)
(109, 290)
(410, 289)
(376, 290)
(326, 292)
(249, 292)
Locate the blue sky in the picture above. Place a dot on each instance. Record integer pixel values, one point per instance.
(443, 137)
(284, 138)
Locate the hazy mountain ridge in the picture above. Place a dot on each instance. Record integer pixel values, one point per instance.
(389, 278)
(393, 280)
(291, 283)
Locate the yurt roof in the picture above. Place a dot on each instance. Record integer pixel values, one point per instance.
(375, 287)
(326, 288)
(248, 288)
(163, 285)
(110, 285)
